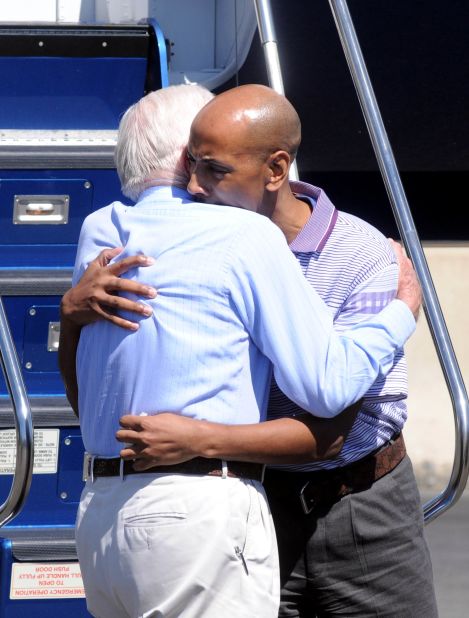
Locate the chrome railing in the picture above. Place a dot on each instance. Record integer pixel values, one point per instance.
(23, 422)
(266, 27)
(392, 180)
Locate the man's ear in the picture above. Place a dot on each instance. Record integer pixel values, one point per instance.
(185, 161)
(278, 167)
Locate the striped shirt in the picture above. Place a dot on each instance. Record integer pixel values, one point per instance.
(353, 268)
(231, 299)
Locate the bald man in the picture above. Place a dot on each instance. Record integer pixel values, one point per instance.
(240, 155)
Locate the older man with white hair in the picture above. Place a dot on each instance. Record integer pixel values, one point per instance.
(196, 539)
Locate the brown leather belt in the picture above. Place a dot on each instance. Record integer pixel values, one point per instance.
(98, 467)
(321, 487)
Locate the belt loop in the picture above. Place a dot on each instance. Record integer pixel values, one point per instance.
(224, 469)
(121, 469)
(91, 464)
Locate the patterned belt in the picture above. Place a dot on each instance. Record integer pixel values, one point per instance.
(321, 487)
(97, 467)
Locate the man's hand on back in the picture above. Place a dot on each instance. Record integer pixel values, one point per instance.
(96, 296)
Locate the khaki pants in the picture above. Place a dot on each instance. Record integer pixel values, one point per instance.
(177, 546)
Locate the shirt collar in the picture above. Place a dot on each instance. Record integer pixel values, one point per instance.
(319, 226)
(165, 192)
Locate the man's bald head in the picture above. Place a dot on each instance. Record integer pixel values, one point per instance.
(240, 149)
(255, 116)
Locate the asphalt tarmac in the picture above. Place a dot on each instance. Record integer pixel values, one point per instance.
(448, 538)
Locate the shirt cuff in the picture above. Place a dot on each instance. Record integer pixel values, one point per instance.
(399, 321)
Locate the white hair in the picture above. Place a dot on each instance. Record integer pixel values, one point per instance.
(153, 134)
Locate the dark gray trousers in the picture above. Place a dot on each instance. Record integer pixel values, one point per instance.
(362, 556)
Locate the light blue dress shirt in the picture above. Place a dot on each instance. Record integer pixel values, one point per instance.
(232, 301)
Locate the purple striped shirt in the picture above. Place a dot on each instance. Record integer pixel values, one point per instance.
(353, 268)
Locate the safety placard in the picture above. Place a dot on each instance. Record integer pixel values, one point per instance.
(46, 580)
(46, 451)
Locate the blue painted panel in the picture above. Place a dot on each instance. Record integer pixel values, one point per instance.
(50, 245)
(68, 93)
(30, 338)
(36, 356)
(53, 498)
(80, 192)
(69, 481)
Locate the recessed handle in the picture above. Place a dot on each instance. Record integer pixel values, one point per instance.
(40, 209)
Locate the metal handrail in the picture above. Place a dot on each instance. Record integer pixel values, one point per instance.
(23, 422)
(266, 27)
(441, 339)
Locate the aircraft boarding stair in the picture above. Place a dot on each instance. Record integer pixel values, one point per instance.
(64, 88)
